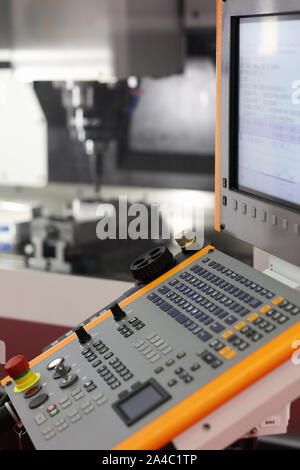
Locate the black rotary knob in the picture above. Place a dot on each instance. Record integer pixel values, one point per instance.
(82, 334)
(152, 264)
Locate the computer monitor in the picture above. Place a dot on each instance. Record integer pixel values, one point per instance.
(258, 125)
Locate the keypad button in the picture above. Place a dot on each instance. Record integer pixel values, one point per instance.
(173, 312)
(217, 327)
(282, 319)
(172, 383)
(170, 362)
(181, 354)
(216, 364)
(38, 401)
(295, 311)
(208, 358)
(256, 337)
(40, 418)
(188, 379)
(96, 363)
(204, 336)
(66, 404)
(165, 307)
(230, 320)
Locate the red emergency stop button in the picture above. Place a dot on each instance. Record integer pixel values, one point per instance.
(16, 366)
(19, 370)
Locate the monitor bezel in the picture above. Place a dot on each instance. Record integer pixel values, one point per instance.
(271, 226)
(234, 117)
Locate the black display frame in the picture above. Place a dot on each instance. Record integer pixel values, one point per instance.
(234, 116)
(117, 406)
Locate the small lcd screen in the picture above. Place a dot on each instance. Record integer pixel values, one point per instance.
(269, 108)
(141, 402)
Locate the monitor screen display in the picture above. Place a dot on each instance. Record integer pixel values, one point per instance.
(268, 127)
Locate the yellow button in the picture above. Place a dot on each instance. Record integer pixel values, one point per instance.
(278, 300)
(227, 334)
(225, 351)
(230, 355)
(252, 317)
(240, 325)
(265, 309)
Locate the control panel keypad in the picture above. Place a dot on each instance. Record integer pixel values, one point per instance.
(205, 304)
(201, 321)
(111, 369)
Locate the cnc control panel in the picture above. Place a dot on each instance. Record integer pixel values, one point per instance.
(164, 359)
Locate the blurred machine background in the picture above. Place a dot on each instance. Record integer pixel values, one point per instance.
(101, 99)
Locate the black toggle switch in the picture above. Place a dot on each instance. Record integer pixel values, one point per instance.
(117, 312)
(82, 334)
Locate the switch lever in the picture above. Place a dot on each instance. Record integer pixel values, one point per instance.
(117, 312)
(67, 379)
(82, 335)
(62, 371)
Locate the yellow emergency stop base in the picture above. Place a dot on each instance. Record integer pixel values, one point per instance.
(27, 381)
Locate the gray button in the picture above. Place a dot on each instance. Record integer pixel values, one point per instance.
(66, 404)
(46, 430)
(62, 427)
(235, 205)
(98, 396)
(253, 212)
(297, 229)
(147, 350)
(59, 421)
(155, 338)
(274, 219)
(88, 410)
(150, 354)
(285, 224)
(72, 413)
(63, 400)
(76, 391)
(75, 418)
(40, 418)
(85, 404)
(101, 401)
(151, 336)
(49, 435)
(155, 358)
(244, 208)
(78, 396)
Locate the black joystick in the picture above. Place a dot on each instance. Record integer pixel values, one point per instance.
(82, 334)
(117, 312)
